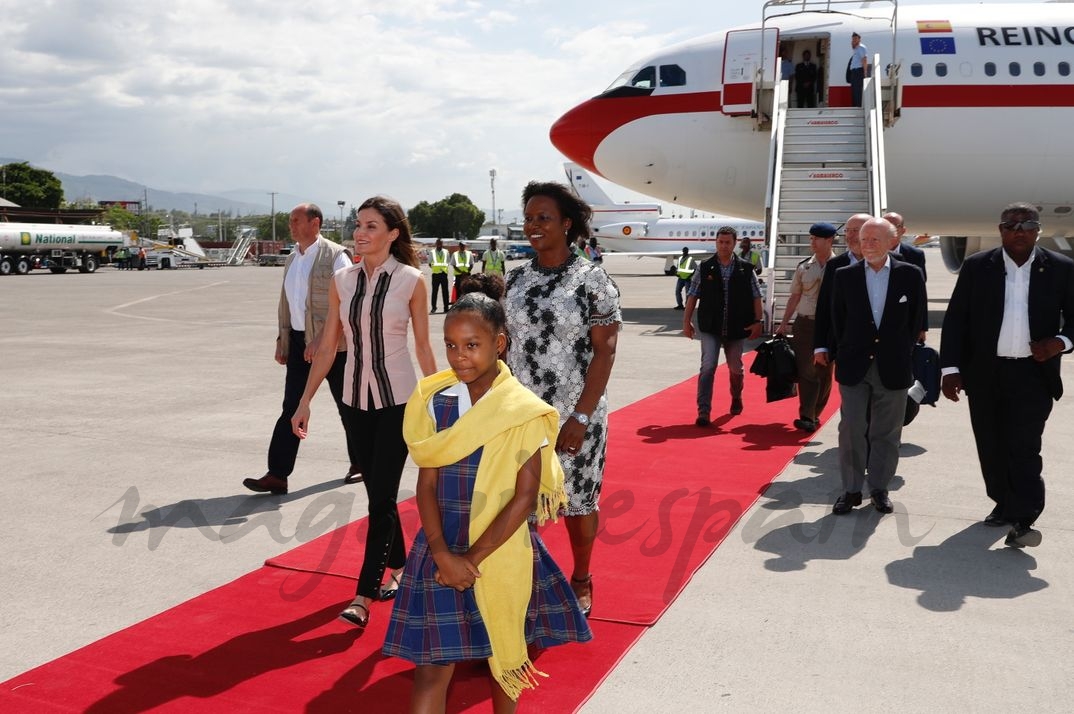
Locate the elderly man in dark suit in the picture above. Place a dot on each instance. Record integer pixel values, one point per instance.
(824, 302)
(1010, 318)
(910, 253)
(877, 307)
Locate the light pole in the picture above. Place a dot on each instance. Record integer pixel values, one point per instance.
(341, 204)
(492, 180)
(273, 216)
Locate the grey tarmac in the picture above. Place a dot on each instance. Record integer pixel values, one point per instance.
(134, 403)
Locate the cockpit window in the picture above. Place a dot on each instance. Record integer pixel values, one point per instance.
(633, 82)
(672, 75)
(645, 79)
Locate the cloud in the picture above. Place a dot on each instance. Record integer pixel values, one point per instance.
(417, 98)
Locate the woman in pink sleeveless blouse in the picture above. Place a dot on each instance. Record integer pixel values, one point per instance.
(374, 302)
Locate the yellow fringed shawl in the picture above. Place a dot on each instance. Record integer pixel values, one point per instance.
(511, 423)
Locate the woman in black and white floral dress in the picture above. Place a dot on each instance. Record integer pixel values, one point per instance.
(563, 319)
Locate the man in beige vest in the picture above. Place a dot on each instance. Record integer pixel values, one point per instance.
(303, 311)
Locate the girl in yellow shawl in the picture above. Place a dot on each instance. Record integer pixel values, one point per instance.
(479, 583)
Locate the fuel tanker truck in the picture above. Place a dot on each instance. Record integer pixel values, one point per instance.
(24, 246)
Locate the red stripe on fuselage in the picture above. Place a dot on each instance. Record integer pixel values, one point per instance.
(993, 95)
(579, 132)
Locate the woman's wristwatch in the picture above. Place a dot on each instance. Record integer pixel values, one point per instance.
(581, 418)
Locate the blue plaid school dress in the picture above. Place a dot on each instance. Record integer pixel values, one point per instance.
(432, 624)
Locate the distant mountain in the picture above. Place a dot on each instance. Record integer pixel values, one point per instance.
(237, 202)
(112, 188)
(260, 197)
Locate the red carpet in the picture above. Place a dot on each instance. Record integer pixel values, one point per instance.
(672, 492)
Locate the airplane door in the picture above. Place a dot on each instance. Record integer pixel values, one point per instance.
(743, 52)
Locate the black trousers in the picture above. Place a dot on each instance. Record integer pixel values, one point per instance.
(440, 283)
(283, 449)
(857, 85)
(383, 452)
(1008, 411)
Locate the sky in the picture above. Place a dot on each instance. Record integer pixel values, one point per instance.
(331, 100)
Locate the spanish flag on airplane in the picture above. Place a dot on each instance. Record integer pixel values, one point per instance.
(932, 43)
(934, 26)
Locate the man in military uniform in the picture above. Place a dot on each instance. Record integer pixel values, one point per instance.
(814, 380)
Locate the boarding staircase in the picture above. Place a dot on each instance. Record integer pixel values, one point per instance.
(826, 165)
(241, 247)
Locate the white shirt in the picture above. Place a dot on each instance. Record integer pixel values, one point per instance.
(1014, 330)
(1014, 335)
(876, 282)
(461, 392)
(297, 281)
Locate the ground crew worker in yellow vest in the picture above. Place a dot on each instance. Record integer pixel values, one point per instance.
(462, 263)
(439, 262)
(684, 269)
(748, 254)
(493, 261)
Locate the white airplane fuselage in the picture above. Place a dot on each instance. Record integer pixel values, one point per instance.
(671, 235)
(639, 228)
(986, 109)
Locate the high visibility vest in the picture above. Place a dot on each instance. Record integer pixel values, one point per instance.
(439, 262)
(462, 262)
(686, 267)
(494, 260)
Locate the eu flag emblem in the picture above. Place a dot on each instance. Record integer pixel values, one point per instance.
(937, 45)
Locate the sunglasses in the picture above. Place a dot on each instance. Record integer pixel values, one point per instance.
(1020, 225)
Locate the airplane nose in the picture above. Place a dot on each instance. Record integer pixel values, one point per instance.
(578, 133)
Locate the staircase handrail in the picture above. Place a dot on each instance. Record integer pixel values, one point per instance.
(775, 182)
(874, 127)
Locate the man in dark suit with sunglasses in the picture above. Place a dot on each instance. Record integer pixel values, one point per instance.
(1010, 318)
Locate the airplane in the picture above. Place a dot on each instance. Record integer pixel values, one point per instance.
(981, 98)
(638, 229)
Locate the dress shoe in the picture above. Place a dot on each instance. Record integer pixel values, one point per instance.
(354, 475)
(433, 311)
(1020, 536)
(805, 424)
(846, 503)
(995, 519)
(267, 484)
(881, 502)
(736, 405)
(679, 307)
(702, 420)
